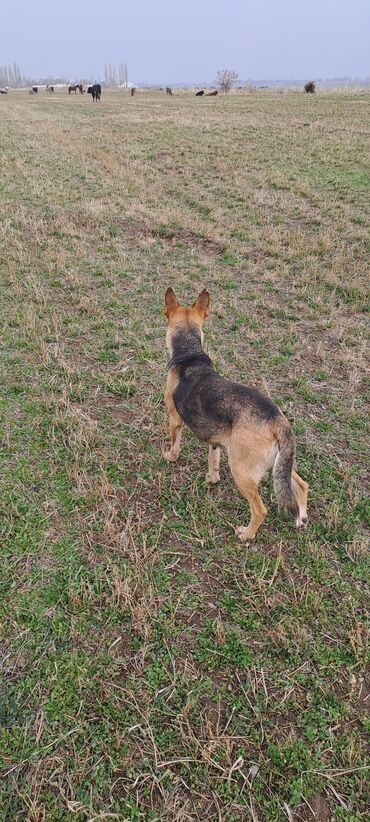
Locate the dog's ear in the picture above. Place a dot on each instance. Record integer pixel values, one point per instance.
(170, 302)
(202, 303)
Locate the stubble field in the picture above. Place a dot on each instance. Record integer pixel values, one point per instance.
(153, 668)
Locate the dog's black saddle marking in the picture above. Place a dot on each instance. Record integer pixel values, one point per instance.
(186, 361)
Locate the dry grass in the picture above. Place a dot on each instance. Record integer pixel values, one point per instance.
(153, 668)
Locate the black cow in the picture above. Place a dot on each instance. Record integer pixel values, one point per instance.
(310, 87)
(199, 93)
(95, 91)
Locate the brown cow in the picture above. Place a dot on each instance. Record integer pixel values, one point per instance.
(169, 90)
(211, 93)
(75, 87)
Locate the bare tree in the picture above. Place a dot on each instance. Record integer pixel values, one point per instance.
(112, 74)
(116, 74)
(123, 74)
(11, 76)
(226, 79)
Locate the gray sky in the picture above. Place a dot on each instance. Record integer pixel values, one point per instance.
(170, 41)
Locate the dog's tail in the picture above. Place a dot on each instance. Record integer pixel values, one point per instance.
(282, 470)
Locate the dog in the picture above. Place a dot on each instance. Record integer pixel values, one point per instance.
(255, 433)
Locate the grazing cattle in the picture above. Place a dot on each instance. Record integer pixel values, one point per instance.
(211, 93)
(169, 91)
(35, 89)
(49, 89)
(3, 90)
(133, 91)
(95, 91)
(199, 93)
(75, 87)
(310, 87)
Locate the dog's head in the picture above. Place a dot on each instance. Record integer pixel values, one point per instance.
(192, 315)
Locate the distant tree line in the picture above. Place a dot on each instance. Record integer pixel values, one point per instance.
(116, 75)
(12, 76)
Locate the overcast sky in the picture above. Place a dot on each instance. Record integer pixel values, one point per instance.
(170, 41)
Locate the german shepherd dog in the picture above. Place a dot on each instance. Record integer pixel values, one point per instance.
(255, 433)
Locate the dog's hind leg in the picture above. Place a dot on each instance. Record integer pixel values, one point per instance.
(213, 473)
(300, 488)
(249, 489)
(247, 478)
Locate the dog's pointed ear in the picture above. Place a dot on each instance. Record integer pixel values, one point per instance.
(170, 302)
(202, 303)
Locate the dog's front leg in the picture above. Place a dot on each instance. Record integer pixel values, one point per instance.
(176, 423)
(213, 473)
(176, 426)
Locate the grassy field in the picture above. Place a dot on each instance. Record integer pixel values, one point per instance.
(153, 668)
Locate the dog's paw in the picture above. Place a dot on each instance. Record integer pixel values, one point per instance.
(170, 456)
(212, 477)
(244, 534)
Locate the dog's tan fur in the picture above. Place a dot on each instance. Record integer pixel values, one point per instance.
(253, 444)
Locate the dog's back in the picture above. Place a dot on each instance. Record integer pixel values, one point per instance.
(212, 406)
